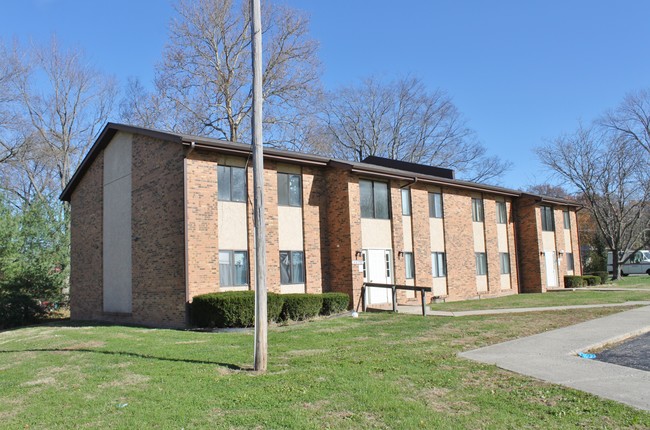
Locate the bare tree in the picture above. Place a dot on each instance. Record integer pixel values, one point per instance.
(64, 102)
(610, 174)
(403, 120)
(550, 190)
(11, 70)
(631, 119)
(203, 85)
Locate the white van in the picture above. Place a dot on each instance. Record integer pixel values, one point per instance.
(637, 264)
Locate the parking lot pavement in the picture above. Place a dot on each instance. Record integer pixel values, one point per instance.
(633, 353)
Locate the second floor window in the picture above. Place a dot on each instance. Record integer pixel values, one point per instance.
(477, 210)
(548, 224)
(374, 199)
(567, 219)
(289, 190)
(406, 201)
(435, 205)
(231, 182)
(502, 216)
(438, 265)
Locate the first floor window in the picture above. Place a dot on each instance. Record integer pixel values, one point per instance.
(438, 264)
(505, 263)
(292, 267)
(233, 268)
(481, 263)
(569, 261)
(410, 265)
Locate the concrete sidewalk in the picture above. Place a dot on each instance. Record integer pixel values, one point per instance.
(417, 310)
(552, 357)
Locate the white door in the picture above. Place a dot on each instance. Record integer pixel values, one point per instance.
(379, 270)
(551, 274)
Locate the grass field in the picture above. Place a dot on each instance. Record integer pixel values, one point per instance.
(379, 371)
(563, 298)
(632, 281)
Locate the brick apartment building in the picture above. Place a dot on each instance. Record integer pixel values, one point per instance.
(158, 218)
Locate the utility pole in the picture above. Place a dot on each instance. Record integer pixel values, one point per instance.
(261, 320)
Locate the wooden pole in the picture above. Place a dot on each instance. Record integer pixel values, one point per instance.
(261, 321)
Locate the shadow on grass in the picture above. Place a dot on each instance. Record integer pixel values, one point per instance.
(128, 354)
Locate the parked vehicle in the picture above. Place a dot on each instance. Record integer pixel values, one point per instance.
(637, 264)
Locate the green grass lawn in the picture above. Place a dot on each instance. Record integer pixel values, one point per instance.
(379, 371)
(531, 300)
(632, 281)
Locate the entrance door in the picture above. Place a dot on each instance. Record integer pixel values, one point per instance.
(551, 274)
(379, 270)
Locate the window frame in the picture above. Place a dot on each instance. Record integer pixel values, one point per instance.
(547, 215)
(409, 266)
(229, 197)
(478, 211)
(373, 199)
(291, 274)
(481, 263)
(438, 264)
(569, 259)
(287, 189)
(232, 268)
(436, 211)
(504, 257)
(567, 219)
(502, 212)
(406, 205)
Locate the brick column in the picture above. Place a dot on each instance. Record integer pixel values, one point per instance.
(421, 236)
(492, 244)
(459, 244)
(313, 188)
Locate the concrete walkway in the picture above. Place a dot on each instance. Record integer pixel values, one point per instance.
(552, 357)
(417, 310)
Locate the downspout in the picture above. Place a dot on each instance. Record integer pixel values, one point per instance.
(408, 184)
(580, 246)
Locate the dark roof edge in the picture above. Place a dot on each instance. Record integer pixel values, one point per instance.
(553, 200)
(108, 132)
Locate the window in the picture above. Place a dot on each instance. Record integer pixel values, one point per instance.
(505, 263)
(502, 216)
(567, 219)
(292, 267)
(481, 263)
(477, 210)
(438, 265)
(233, 268)
(406, 201)
(435, 205)
(569, 261)
(547, 218)
(289, 190)
(410, 265)
(231, 183)
(374, 199)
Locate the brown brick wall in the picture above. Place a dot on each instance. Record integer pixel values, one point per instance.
(313, 209)
(201, 224)
(86, 240)
(343, 234)
(529, 246)
(512, 247)
(421, 235)
(492, 245)
(397, 233)
(158, 247)
(271, 221)
(459, 244)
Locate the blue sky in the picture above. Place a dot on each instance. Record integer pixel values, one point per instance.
(520, 71)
